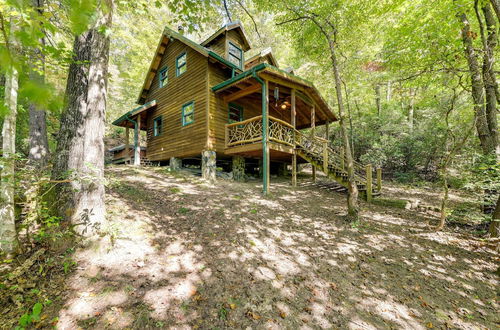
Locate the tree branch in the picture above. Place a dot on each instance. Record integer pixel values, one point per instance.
(251, 17)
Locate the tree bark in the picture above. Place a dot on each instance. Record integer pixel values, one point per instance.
(496, 8)
(352, 189)
(377, 99)
(8, 239)
(488, 144)
(38, 141)
(411, 110)
(489, 78)
(80, 145)
(495, 221)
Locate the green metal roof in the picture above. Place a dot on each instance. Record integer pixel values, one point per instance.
(134, 111)
(260, 67)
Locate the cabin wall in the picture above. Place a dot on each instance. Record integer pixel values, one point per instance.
(218, 110)
(218, 46)
(177, 140)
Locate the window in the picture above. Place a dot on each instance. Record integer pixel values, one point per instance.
(157, 126)
(180, 64)
(187, 113)
(163, 77)
(235, 113)
(235, 55)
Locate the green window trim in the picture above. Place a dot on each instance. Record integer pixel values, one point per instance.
(232, 113)
(188, 113)
(163, 77)
(182, 67)
(235, 55)
(157, 126)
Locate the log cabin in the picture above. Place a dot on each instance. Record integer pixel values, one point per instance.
(207, 101)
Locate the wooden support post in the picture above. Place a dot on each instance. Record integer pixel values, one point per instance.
(127, 145)
(369, 192)
(342, 158)
(327, 129)
(226, 138)
(265, 138)
(313, 173)
(379, 179)
(325, 157)
(137, 144)
(294, 124)
(313, 121)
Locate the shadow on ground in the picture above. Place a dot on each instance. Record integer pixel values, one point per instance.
(183, 254)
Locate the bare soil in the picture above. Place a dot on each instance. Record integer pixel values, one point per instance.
(179, 253)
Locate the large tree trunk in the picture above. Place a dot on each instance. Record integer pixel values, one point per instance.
(38, 142)
(80, 145)
(488, 143)
(352, 196)
(489, 78)
(495, 221)
(8, 240)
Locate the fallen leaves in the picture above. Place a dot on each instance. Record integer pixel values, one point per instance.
(253, 316)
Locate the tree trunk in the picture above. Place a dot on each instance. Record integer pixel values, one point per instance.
(377, 99)
(38, 142)
(488, 144)
(80, 145)
(352, 196)
(389, 91)
(495, 221)
(489, 78)
(8, 240)
(496, 8)
(411, 110)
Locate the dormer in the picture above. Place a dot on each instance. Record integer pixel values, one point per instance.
(229, 42)
(265, 56)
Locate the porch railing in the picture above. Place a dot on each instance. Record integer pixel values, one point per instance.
(250, 131)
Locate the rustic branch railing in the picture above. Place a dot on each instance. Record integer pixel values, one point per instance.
(250, 131)
(244, 132)
(280, 131)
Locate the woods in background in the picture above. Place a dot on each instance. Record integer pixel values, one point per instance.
(69, 65)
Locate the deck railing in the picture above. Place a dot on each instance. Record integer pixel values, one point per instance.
(250, 131)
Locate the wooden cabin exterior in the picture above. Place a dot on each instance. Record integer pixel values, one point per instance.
(204, 100)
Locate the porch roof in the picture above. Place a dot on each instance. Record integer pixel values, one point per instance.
(124, 120)
(282, 77)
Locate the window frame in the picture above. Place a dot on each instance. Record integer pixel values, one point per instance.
(235, 106)
(184, 114)
(160, 82)
(155, 126)
(229, 53)
(177, 67)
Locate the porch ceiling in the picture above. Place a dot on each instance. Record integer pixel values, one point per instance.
(245, 87)
(248, 91)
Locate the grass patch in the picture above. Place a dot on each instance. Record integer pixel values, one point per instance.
(175, 190)
(183, 210)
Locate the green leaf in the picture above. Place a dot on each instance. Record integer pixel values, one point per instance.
(37, 309)
(25, 320)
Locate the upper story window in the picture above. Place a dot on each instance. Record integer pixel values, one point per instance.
(235, 113)
(157, 126)
(235, 55)
(181, 64)
(163, 77)
(187, 113)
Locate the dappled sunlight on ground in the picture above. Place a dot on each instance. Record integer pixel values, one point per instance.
(184, 254)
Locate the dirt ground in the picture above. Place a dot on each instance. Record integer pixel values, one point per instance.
(182, 254)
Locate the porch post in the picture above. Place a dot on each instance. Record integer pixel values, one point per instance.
(294, 155)
(313, 133)
(327, 128)
(137, 146)
(127, 146)
(265, 132)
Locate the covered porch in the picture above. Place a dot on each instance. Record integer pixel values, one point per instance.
(276, 107)
(135, 119)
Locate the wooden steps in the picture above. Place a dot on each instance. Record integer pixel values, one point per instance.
(310, 152)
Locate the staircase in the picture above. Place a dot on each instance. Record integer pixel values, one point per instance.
(332, 162)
